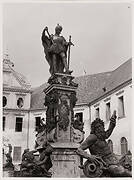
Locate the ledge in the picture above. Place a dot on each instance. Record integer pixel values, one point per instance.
(59, 87)
(122, 117)
(65, 145)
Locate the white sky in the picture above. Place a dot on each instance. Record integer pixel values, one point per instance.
(101, 33)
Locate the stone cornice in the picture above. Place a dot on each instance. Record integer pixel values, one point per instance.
(61, 87)
(82, 104)
(6, 93)
(25, 110)
(7, 70)
(15, 110)
(38, 109)
(17, 89)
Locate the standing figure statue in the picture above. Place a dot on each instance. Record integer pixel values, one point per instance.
(55, 48)
(100, 151)
(9, 163)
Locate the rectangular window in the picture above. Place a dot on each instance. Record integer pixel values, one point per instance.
(121, 112)
(124, 146)
(18, 126)
(37, 123)
(108, 111)
(4, 120)
(97, 113)
(17, 153)
(79, 116)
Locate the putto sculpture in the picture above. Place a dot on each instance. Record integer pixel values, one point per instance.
(55, 48)
(101, 159)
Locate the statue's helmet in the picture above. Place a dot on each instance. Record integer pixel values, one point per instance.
(58, 27)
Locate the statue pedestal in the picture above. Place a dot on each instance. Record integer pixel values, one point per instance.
(65, 161)
(8, 172)
(60, 100)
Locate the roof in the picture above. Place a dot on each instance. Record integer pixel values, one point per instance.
(20, 79)
(90, 87)
(38, 97)
(118, 77)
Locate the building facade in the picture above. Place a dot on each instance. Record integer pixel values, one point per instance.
(98, 96)
(16, 107)
(118, 96)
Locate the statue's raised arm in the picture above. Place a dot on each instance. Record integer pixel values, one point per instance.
(55, 48)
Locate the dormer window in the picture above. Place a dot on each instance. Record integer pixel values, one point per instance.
(4, 101)
(20, 102)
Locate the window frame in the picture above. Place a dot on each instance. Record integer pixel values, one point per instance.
(17, 157)
(22, 101)
(108, 111)
(3, 101)
(37, 126)
(79, 114)
(124, 145)
(17, 124)
(110, 144)
(97, 112)
(121, 107)
(4, 123)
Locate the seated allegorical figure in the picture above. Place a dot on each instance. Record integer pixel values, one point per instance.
(45, 151)
(32, 167)
(98, 147)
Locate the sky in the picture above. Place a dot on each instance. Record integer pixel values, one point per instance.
(101, 33)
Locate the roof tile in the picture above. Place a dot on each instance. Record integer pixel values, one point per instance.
(90, 87)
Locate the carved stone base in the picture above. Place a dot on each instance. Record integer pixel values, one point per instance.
(60, 100)
(8, 172)
(65, 161)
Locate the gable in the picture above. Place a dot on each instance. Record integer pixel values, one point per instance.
(15, 82)
(12, 78)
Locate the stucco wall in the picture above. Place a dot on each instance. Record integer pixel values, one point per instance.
(32, 121)
(10, 112)
(123, 125)
(86, 119)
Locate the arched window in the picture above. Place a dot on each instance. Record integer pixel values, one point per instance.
(110, 144)
(20, 102)
(4, 101)
(124, 146)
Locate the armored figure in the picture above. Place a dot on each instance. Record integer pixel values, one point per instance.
(55, 48)
(98, 147)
